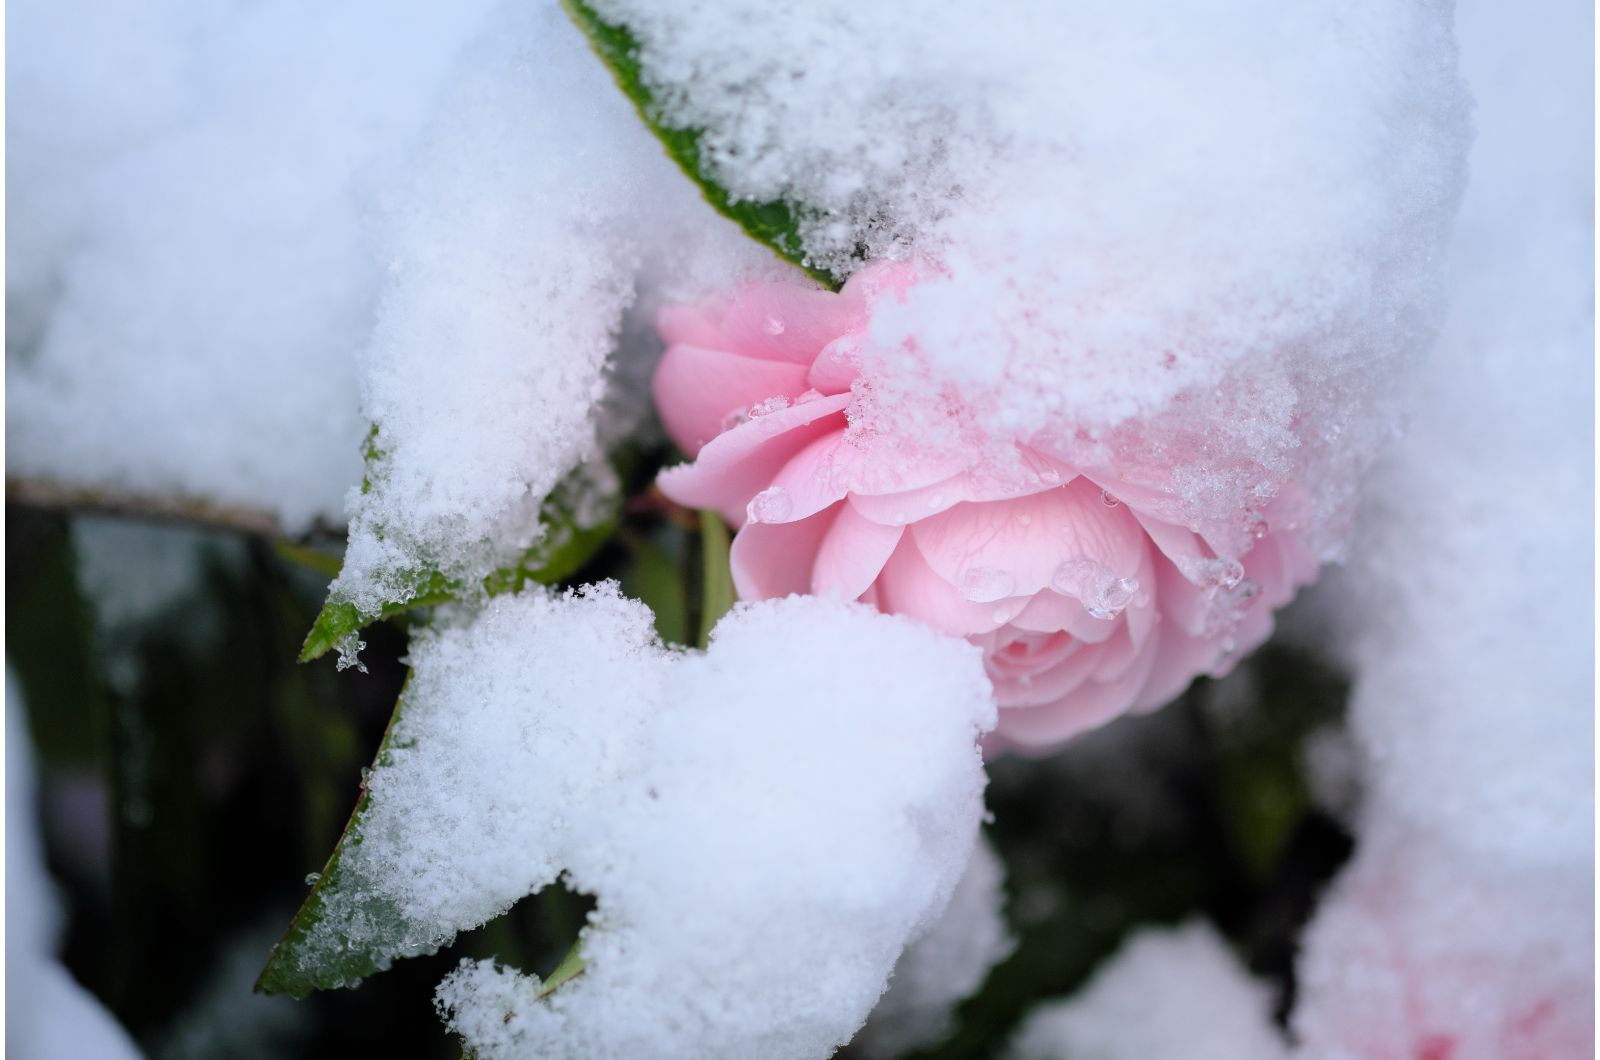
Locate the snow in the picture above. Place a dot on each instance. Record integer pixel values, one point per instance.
(536, 206)
(1468, 604)
(944, 967)
(1193, 243)
(201, 248)
(1465, 926)
(241, 234)
(765, 825)
(1424, 950)
(513, 720)
(1166, 993)
(49, 1015)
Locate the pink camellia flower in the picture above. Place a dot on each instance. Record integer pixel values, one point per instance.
(1084, 601)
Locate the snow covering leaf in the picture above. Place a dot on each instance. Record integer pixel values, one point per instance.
(775, 224)
(569, 540)
(296, 966)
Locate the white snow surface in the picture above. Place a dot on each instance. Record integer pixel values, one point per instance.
(765, 825)
(1193, 242)
(1167, 993)
(1468, 606)
(1465, 926)
(241, 233)
(1423, 951)
(944, 967)
(194, 270)
(536, 211)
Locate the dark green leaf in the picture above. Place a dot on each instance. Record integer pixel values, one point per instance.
(776, 224)
(298, 963)
(565, 547)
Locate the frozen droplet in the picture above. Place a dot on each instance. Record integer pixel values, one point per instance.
(349, 648)
(1101, 591)
(771, 505)
(1246, 591)
(1211, 574)
(734, 417)
(773, 325)
(1050, 475)
(808, 396)
(769, 406)
(1000, 615)
(312, 878)
(983, 585)
(1107, 499)
(900, 518)
(1024, 519)
(935, 500)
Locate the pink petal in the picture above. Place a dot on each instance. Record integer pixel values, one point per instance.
(1050, 610)
(908, 586)
(737, 464)
(1175, 542)
(696, 389)
(852, 555)
(693, 325)
(788, 322)
(1179, 659)
(1048, 684)
(837, 366)
(1090, 704)
(1182, 604)
(881, 279)
(1116, 655)
(817, 475)
(775, 559)
(1026, 539)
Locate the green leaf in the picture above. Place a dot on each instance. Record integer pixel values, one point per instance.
(775, 224)
(655, 575)
(298, 964)
(716, 594)
(571, 966)
(565, 547)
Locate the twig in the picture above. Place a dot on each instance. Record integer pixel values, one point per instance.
(164, 508)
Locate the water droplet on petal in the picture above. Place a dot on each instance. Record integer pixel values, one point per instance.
(1107, 499)
(899, 518)
(771, 505)
(1210, 575)
(1101, 592)
(1050, 475)
(1024, 519)
(935, 500)
(735, 417)
(773, 326)
(769, 406)
(808, 396)
(985, 585)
